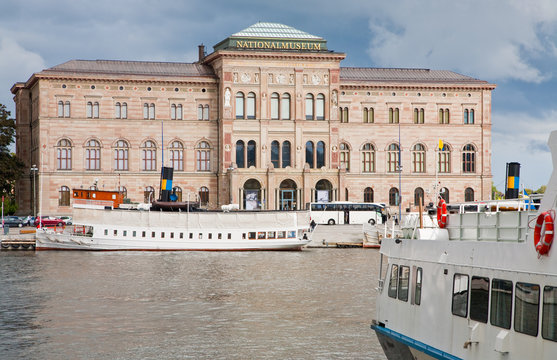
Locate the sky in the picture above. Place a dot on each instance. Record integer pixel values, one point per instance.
(510, 43)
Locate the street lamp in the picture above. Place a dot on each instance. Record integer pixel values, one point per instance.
(34, 170)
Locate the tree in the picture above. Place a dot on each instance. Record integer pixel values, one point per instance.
(11, 167)
(496, 194)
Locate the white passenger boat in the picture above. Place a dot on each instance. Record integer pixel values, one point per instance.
(485, 287)
(107, 229)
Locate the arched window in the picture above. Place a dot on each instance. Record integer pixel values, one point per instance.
(419, 115)
(251, 153)
(203, 156)
(64, 197)
(199, 112)
(343, 114)
(124, 110)
(206, 112)
(250, 109)
(178, 192)
(392, 158)
(179, 112)
(285, 154)
(67, 109)
(309, 154)
(60, 109)
(309, 107)
(96, 110)
(468, 116)
(64, 154)
(419, 196)
(393, 115)
(173, 111)
(240, 101)
(344, 156)
(471, 116)
(444, 161)
(469, 158)
(275, 153)
(118, 110)
(149, 156)
(151, 111)
(444, 193)
(148, 111)
(240, 154)
(369, 115)
(177, 155)
(320, 161)
(121, 152)
(275, 100)
(285, 107)
(393, 197)
(122, 190)
(443, 116)
(368, 195)
(203, 196)
(320, 107)
(368, 158)
(469, 194)
(89, 109)
(148, 194)
(418, 158)
(92, 155)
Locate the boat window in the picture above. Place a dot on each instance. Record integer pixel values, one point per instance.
(220, 236)
(479, 298)
(460, 295)
(281, 234)
(200, 236)
(271, 235)
(393, 282)
(134, 233)
(251, 235)
(191, 235)
(172, 235)
(210, 236)
(549, 314)
(162, 234)
(261, 235)
(292, 234)
(403, 283)
(125, 233)
(501, 303)
(243, 236)
(152, 234)
(181, 235)
(418, 286)
(229, 236)
(106, 232)
(115, 232)
(143, 234)
(526, 308)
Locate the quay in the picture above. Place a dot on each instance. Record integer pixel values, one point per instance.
(18, 239)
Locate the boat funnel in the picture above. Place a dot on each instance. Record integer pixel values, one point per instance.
(513, 180)
(166, 183)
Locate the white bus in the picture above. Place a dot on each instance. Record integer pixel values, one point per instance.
(344, 212)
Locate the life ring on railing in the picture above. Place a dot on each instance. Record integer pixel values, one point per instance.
(543, 243)
(442, 213)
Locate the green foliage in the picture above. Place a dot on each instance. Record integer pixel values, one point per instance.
(11, 167)
(496, 194)
(541, 190)
(10, 206)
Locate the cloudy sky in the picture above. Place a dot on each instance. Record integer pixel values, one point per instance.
(510, 43)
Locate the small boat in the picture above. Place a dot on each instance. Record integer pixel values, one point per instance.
(484, 286)
(119, 229)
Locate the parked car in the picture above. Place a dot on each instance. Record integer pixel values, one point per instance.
(67, 219)
(12, 221)
(28, 220)
(49, 221)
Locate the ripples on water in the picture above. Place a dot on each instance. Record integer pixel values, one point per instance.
(313, 304)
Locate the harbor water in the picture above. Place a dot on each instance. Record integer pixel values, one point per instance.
(312, 304)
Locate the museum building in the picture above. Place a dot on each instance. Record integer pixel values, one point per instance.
(268, 120)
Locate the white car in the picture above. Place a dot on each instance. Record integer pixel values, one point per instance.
(67, 219)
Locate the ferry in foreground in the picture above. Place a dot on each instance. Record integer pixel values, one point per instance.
(114, 229)
(484, 287)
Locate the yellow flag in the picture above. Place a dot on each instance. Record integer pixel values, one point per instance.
(440, 144)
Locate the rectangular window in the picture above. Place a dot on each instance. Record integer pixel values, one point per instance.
(105, 232)
(191, 235)
(501, 303)
(281, 234)
(418, 286)
(172, 235)
(115, 232)
(251, 235)
(219, 236)
(162, 235)
(125, 233)
(479, 298)
(153, 234)
(526, 308)
(460, 295)
(143, 234)
(403, 283)
(134, 233)
(393, 282)
(210, 236)
(181, 235)
(271, 235)
(200, 236)
(229, 236)
(549, 313)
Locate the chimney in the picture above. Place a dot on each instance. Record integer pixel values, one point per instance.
(201, 52)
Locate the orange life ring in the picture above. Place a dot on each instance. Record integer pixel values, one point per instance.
(543, 242)
(442, 213)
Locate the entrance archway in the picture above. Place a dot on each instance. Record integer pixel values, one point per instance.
(252, 195)
(323, 191)
(287, 195)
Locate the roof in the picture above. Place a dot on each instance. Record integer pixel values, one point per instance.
(121, 67)
(394, 74)
(274, 30)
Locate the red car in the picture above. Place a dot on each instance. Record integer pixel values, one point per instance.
(49, 221)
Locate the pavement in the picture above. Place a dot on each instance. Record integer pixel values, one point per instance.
(331, 235)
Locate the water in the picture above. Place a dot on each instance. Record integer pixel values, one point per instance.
(314, 304)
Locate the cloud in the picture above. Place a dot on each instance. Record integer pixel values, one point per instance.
(497, 40)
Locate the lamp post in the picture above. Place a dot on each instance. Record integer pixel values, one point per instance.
(34, 170)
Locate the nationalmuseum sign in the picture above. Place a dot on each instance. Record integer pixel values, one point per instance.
(271, 44)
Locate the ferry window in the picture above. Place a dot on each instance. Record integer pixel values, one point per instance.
(281, 234)
(501, 303)
(200, 236)
(251, 235)
(191, 235)
(479, 298)
(243, 236)
(229, 236)
(105, 232)
(418, 287)
(134, 233)
(460, 295)
(115, 232)
(526, 308)
(219, 236)
(291, 234)
(549, 314)
(393, 281)
(271, 235)
(181, 235)
(162, 234)
(152, 234)
(261, 235)
(172, 235)
(143, 234)
(210, 236)
(404, 276)
(125, 233)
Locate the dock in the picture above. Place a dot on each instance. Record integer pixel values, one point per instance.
(18, 239)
